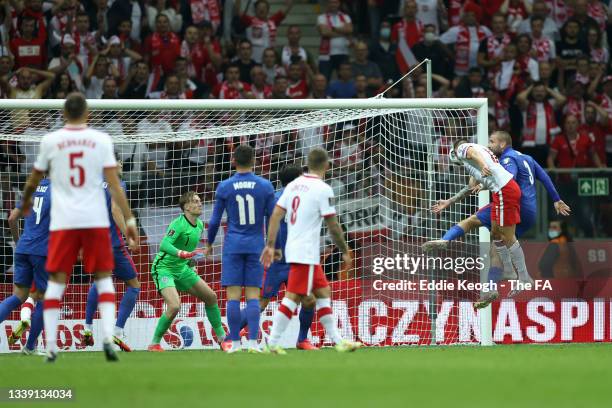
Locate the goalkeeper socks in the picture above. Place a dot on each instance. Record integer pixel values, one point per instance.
(282, 317)
(36, 326)
(518, 259)
(253, 312)
(106, 305)
(128, 301)
(91, 305)
(8, 305)
(214, 317)
(504, 254)
(53, 297)
(306, 316)
(327, 320)
(163, 324)
(233, 319)
(25, 314)
(453, 233)
(495, 274)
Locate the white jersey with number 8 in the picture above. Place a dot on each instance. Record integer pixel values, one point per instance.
(499, 176)
(307, 200)
(75, 157)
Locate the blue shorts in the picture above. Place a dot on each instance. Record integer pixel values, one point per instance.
(528, 220)
(31, 268)
(124, 266)
(241, 270)
(276, 275)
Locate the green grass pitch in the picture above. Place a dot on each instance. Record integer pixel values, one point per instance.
(518, 376)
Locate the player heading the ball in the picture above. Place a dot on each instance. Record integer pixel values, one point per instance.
(78, 160)
(305, 202)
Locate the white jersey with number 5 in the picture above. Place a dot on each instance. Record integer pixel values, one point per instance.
(75, 157)
(499, 176)
(307, 200)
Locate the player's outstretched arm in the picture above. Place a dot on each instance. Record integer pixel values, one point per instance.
(118, 196)
(268, 253)
(337, 236)
(472, 187)
(29, 189)
(545, 179)
(13, 222)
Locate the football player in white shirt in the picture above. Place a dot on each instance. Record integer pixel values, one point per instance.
(484, 169)
(78, 160)
(305, 202)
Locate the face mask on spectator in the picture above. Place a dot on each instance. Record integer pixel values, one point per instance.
(385, 33)
(429, 37)
(552, 234)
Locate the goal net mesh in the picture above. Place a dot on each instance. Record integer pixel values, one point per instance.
(388, 167)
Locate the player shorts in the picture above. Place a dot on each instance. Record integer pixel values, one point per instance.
(303, 279)
(183, 280)
(30, 271)
(506, 209)
(124, 265)
(275, 276)
(528, 220)
(64, 247)
(241, 270)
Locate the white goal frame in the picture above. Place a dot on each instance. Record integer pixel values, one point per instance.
(478, 104)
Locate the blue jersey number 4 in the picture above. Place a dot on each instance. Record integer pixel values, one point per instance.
(37, 208)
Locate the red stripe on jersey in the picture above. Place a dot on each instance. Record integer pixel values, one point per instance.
(106, 297)
(329, 215)
(28, 305)
(51, 304)
(324, 311)
(285, 310)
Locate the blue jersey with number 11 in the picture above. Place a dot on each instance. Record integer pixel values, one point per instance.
(35, 236)
(247, 199)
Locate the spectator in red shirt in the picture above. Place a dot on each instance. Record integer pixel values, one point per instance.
(33, 9)
(572, 149)
(232, 87)
(596, 123)
(299, 81)
(162, 47)
(29, 50)
(490, 51)
(261, 29)
(202, 55)
(406, 33)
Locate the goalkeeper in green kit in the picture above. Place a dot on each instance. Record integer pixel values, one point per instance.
(172, 273)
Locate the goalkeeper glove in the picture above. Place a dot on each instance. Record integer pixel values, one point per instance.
(188, 255)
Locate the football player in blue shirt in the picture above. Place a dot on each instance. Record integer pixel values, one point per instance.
(30, 260)
(125, 270)
(525, 171)
(247, 200)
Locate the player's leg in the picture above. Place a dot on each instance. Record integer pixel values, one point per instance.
(306, 315)
(232, 278)
(98, 259)
(173, 305)
(253, 279)
(27, 307)
(24, 275)
(126, 271)
(202, 291)
(37, 323)
(91, 306)
(457, 231)
(63, 249)
(283, 316)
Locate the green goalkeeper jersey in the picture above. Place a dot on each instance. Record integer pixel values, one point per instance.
(181, 235)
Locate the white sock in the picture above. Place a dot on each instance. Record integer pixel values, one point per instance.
(326, 318)
(118, 332)
(25, 315)
(518, 259)
(282, 317)
(89, 327)
(106, 306)
(53, 297)
(236, 344)
(504, 255)
(253, 344)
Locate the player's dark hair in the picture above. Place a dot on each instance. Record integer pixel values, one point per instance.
(186, 197)
(289, 173)
(504, 136)
(75, 106)
(459, 142)
(317, 159)
(244, 156)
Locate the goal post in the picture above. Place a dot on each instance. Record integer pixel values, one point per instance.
(389, 163)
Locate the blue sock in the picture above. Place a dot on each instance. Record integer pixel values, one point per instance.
(92, 304)
(495, 274)
(36, 327)
(453, 233)
(8, 305)
(233, 319)
(243, 318)
(128, 301)
(306, 316)
(253, 313)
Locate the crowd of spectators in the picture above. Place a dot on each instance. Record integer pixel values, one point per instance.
(544, 65)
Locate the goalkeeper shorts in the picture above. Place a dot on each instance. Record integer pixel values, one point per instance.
(183, 280)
